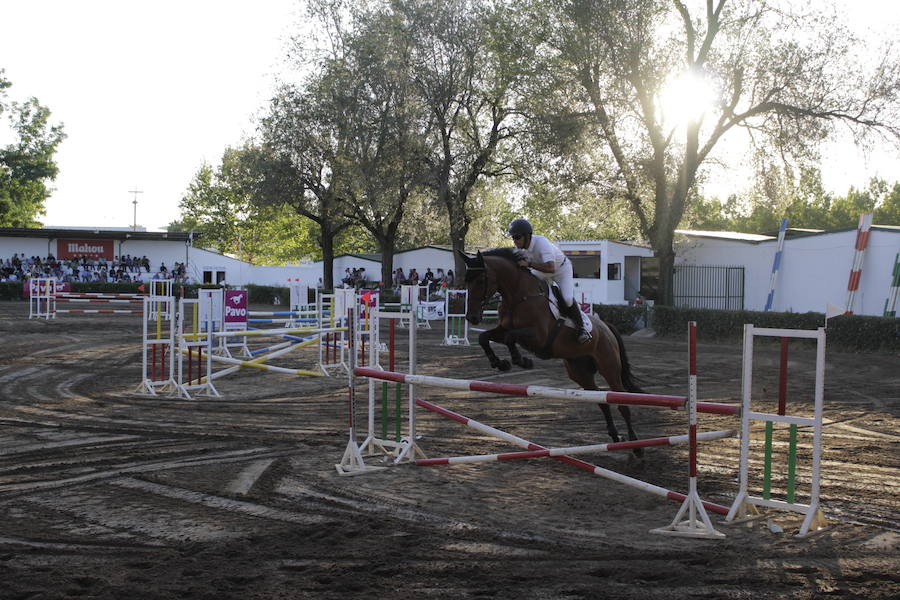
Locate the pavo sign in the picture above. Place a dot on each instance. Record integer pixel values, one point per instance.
(90, 248)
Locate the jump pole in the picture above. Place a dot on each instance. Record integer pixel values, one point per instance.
(697, 524)
(573, 450)
(575, 462)
(589, 396)
(352, 462)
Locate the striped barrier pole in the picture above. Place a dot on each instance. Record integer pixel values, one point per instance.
(859, 254)
(575, 462)
(776, 265)
(697, 523)
(510, 389)
(890, 305)
(99, 311)
(574, 450)
(253, 364)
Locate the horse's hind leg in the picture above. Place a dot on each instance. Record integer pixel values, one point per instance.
(610, 370)
(581, 370)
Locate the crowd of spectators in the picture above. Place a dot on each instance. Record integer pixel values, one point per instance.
(88, 269)
(438, 281)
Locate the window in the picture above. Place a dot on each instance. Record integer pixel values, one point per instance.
(614, 271)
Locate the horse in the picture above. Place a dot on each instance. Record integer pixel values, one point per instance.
(526, 320)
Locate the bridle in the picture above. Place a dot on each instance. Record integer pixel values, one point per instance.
(491, 283)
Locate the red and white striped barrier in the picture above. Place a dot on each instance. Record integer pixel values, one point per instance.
(100, 296)
(575, 462)
(101, 311)
(99, 300)
(573, 450)
(536, 391)
(862, 240)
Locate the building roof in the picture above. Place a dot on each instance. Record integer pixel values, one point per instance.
(791, 232)
(752, 238)
(97, 234)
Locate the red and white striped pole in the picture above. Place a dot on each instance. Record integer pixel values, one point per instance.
(697, 524)
(575, 462)
(862, 240)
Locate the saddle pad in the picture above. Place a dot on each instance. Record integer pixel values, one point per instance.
(554, 308)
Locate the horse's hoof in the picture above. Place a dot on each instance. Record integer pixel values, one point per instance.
(638, 452)
(526, 363)
(504, 365)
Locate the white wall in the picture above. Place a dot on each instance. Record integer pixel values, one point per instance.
(30, 246)
(425, 258)
(814, 269)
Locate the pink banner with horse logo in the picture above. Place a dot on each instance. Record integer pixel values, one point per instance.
(235, 309)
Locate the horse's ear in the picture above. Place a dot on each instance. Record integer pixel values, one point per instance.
(466, 258)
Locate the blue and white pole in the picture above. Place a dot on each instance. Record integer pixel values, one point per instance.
(776, 265)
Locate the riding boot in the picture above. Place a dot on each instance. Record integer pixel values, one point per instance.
(573, 311)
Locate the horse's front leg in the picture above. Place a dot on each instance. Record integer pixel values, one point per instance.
(513, 338)
(497, 334)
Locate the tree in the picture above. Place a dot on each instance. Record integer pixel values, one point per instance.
(26, 164)
(219, 205)
(467, 62)
(785, 76)
(387, 129)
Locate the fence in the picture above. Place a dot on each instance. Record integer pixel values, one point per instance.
(706, 286)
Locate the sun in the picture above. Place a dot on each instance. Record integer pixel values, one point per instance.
(685, 98)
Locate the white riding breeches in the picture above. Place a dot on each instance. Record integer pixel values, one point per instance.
(563, 278)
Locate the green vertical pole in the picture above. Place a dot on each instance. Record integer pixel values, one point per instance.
(767, 465)
(792, 464)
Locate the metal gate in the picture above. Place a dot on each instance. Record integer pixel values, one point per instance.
(706, 286)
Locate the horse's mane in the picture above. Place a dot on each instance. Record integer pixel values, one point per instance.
(510, 254)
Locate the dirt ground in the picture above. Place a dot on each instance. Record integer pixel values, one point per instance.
(105, 493)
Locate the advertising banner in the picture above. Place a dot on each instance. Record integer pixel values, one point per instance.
(431, 311)
(61, 286)
(67, 249)
(235, 309)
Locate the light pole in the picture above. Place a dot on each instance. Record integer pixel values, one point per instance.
(135, 192)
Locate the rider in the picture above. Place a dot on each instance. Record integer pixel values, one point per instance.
(543, 256)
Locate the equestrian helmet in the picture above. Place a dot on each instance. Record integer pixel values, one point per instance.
(519, 227)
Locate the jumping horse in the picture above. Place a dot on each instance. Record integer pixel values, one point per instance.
(526, 320)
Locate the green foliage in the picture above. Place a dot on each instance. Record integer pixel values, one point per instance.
(624, 318)
(26, 164)
(853, 333)
(805, 203)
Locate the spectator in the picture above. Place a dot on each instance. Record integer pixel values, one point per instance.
(451, 280)
(413, 278)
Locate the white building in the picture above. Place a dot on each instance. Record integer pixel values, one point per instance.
(162, 248)
(815, 266)
(606, 272)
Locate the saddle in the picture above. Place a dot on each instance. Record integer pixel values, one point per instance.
(556, 300)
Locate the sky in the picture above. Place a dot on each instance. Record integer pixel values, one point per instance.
(149, 91)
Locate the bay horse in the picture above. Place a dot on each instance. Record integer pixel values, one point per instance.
(526, 320)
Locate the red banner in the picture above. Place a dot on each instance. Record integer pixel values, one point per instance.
(91, 248)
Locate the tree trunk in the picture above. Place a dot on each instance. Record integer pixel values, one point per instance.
(327, 242)
(666, 256)
(459, 227)
(387, 262)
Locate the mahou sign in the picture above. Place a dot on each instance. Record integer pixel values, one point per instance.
(89, 248)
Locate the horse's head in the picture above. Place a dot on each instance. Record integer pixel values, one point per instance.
(480, 284)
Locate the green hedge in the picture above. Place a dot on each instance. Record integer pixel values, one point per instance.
(852, 333)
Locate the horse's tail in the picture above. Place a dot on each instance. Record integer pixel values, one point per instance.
(628, 379)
